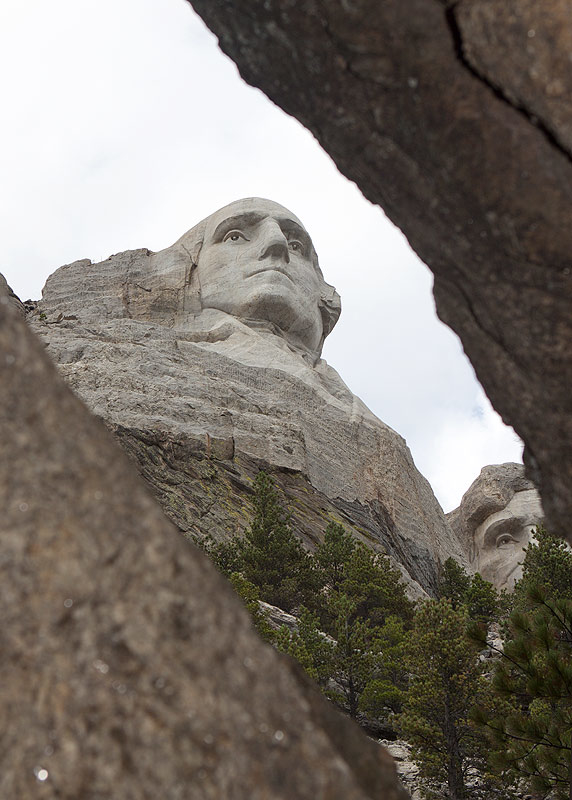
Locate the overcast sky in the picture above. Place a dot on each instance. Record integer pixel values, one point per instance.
(124, 125)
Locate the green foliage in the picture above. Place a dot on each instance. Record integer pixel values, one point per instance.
(477, 595)
(272, 557)
(293, 645)
(383, 694)
(309, 646)
(365, 610)
(332, 556)
(533, 739)
(250, 596)
(454, 582)
(547, 562)
(354, 656)
(226, 556)
(482, 600)
(318, 644)
(358, 664)
(355, 638)
(445, 680)
(354, 631)
(374, 586)
(352, 626)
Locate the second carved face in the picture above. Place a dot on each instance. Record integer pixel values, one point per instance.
(503, 536)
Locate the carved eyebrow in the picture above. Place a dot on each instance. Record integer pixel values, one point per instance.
(510, 526)
(238, 221)
(289, 226)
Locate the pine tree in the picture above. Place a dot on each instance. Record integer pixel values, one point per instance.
(250, 596)
(355, 654)
(375, 587)
(547, 562)
(383, 694)
(358, 623)
(365, 610)
(477, 595)
(445, 680)
(454, 583)
(482, 600)
(273, 559)
(532, 739)
(332, 556)
(318, 645)
(226, 555)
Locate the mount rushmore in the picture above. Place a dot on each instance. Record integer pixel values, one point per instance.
(115, 683)
(205, 360)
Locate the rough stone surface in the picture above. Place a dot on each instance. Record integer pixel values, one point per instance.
(407, 769)
(128, 667)
(454, 117)
(537, 77)
(277, 618)
(208, 394)
(15, 302)
(495, 521)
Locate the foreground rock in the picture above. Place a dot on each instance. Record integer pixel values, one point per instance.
(205, 360)
(129, 669)
(455, 118)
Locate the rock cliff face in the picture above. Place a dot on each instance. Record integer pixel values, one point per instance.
(204, 400)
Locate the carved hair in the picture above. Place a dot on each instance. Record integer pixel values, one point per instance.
(490, 492)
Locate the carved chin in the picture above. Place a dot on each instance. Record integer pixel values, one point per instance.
(277, 304)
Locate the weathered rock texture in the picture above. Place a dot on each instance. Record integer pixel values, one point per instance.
(495, 522)
(128, 667)
(13, 300)
(203, 400)
(454, 117)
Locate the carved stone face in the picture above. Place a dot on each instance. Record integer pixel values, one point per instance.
(257, 262)
(501, 538)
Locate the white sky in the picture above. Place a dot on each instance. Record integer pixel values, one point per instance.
(124, 125)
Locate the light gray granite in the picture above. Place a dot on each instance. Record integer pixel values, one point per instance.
(219, 337)
(495, 521)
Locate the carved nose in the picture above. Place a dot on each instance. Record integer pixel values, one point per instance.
(275, 244)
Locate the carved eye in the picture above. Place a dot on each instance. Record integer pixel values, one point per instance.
(234, 236)
(505, 539)
(296, 246)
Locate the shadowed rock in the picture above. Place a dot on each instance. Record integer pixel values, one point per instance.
(128, 667)
(6, 292)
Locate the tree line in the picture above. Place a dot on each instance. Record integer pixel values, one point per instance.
(484, 717)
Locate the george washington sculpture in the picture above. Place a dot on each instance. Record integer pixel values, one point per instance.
(218, 339)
